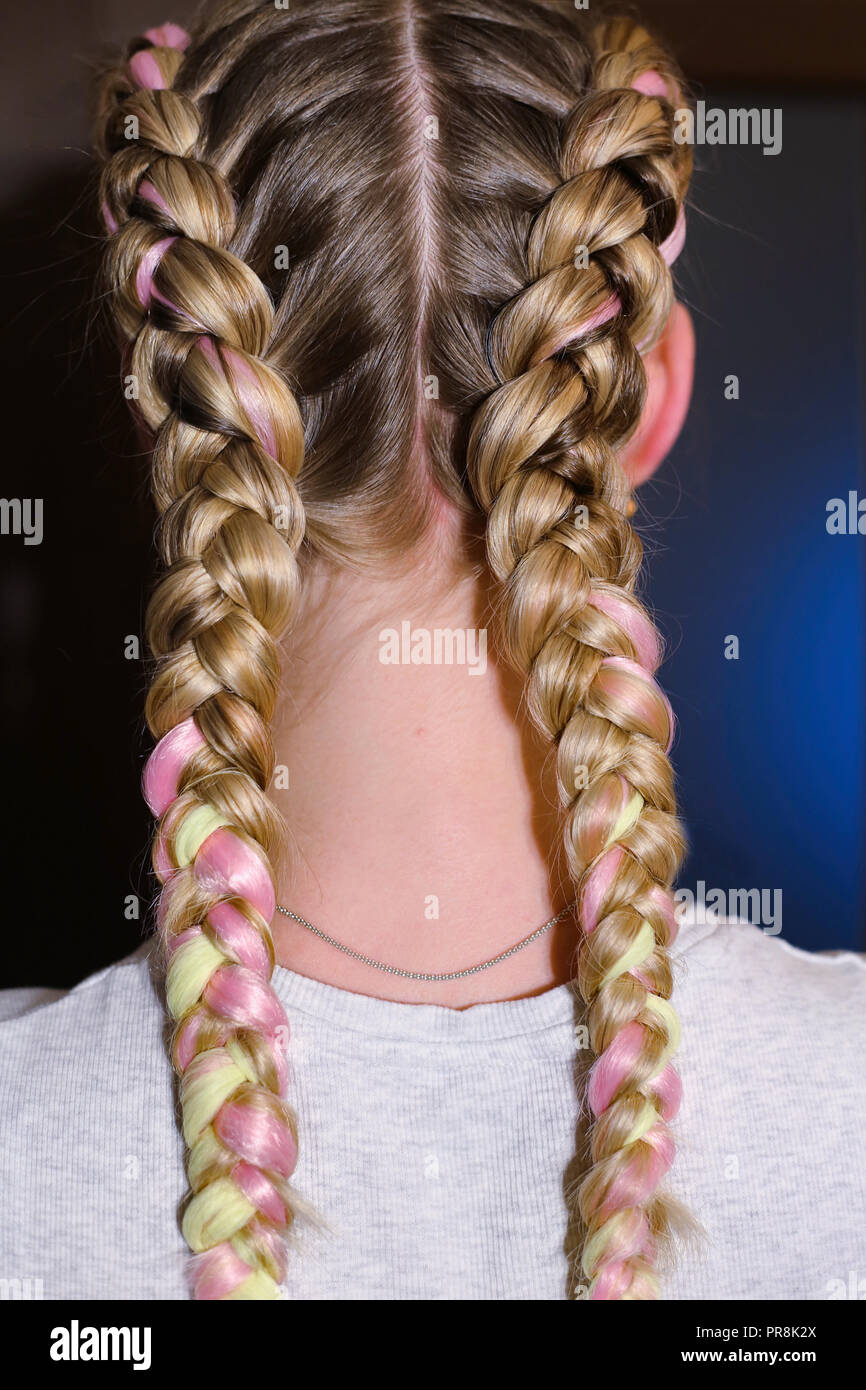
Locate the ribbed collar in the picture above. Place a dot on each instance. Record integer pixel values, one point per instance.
(384, 1018)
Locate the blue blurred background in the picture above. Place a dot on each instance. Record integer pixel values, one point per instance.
(770, 749)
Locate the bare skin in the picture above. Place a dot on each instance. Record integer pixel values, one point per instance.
(414, 789)
(414, 785)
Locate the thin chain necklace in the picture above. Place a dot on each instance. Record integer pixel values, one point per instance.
(418, 974)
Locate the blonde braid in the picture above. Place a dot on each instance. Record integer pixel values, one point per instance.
(227, 447)
(276, 107)
(542, 458)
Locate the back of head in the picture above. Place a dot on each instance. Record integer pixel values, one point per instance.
(385, 272)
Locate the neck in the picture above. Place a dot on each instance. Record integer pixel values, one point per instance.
(422, 815)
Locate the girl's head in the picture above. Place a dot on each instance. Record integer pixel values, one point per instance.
(389, 275)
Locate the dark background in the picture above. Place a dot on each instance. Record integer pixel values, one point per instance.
(770, 751)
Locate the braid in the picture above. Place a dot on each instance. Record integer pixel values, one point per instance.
(302, 131)
(542, 461)
(227, 447)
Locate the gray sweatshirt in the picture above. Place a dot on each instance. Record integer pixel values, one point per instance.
(438, 1146)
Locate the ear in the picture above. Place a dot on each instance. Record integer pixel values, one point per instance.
(670, 370)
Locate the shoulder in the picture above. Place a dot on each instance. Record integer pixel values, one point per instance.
(774, 1107)
(71, 1058)
(770, 1016)
(732, 969)
(91, 1162)
(100, 1024)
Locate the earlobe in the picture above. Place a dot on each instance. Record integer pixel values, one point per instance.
(670, 376)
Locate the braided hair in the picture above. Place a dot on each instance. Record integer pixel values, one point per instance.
(489, 198)
(543, 464)
(228, 445)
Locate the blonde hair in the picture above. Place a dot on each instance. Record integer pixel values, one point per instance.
(312, 212)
